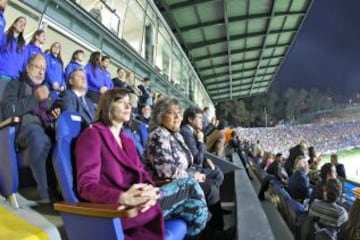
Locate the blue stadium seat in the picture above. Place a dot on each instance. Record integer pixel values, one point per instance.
(9, 176)
(87, 220)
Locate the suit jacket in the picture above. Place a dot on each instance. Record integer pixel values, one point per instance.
(340, 170)
(196, 147)
(104, 171)
(74, 104)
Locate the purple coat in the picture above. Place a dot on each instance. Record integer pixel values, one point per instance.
(104, 171)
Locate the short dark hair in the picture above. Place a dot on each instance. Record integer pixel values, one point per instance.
(105, 57)
(119, 68)
(145, 79)
(205, 109)
(103, 113)
(191, 113)
(332, 189)
(73, 57)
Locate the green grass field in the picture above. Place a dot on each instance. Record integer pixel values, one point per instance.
(351, 161)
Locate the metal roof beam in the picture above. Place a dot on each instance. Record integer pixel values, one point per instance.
(214, 93)
(220, 22)
(212, 76)
(237, 51)
(237, 79)
(238, 62)
(202, 44)
(239, 85)
(189, 3)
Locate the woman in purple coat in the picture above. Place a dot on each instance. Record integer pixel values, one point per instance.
(110, 171)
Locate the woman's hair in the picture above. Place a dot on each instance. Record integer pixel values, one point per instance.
(300, 163)
(10, 36)
(352, 227)
(311, 151)
(94, 60)
(325, 170)
(159, 110)
(73, 57)
(37, 33)
(333, 190)
(104, 109)
(59, 55)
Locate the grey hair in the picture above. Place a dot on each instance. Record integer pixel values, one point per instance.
(159, 110)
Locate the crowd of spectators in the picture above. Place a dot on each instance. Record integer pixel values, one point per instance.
(325, 138)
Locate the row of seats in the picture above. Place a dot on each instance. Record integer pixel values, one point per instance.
(101, 221)
(292, 211)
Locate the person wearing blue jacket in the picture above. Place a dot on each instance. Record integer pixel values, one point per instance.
(34, 46)
(105, 60)
(54, 75)
(75, 63)
(3, 4)
(94, 75)
(12, 47)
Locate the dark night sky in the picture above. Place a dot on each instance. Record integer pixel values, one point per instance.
(326, 53)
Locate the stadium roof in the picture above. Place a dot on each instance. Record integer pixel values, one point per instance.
(236, 46)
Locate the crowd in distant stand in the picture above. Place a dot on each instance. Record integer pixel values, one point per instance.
(325, 138)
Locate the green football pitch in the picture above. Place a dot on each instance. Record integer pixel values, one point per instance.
(351, 161)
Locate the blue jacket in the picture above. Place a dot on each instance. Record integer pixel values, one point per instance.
(11, 60)
(107, 79)
(2, 24)
(30, 49)
(299, 186)
(54, 71)
(95, 79)
(71, 67)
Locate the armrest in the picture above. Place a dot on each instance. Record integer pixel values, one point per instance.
(10, 122)
(161, 182)
(96, 210)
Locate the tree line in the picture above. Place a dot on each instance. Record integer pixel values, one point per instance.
(289, 106)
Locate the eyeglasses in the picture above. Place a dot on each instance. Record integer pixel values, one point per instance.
(173, 113)
(38, 67)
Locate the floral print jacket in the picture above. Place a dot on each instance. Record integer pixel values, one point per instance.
(167, 156)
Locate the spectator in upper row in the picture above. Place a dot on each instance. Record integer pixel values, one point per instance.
(105, 61)
(34, 46)
(145, 92)
(3, 4)
(340, 169)
(54, 75)
(12, 47)
(94, 76)
(76, 62)
(74, 97)
(29, 98)
(119, 80)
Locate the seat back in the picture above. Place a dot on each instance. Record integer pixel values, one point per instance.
(68, 128)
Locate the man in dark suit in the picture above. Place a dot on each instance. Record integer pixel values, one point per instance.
(74, 97)
(194, 139)
(340, 169)
(29, 98)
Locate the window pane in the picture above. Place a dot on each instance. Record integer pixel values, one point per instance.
(102, 12)
(133, 26)
(163, 52)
